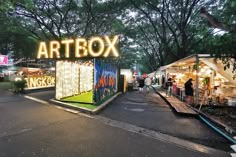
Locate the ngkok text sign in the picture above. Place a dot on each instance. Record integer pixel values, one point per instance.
(95, 47)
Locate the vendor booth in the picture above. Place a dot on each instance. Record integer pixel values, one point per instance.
(212, 84)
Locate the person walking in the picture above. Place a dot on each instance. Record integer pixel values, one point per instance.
(189, 91)
(169, 85)
(141, 84)
(148, 83)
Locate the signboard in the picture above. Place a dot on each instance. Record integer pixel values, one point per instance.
(35, 82)
(3, 60)
(79, 48)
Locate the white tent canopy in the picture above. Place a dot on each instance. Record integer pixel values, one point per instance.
(218, 66)
(213, 63)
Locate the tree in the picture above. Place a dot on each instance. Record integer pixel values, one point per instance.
(14, 38)
(223, 46)
(165, 30)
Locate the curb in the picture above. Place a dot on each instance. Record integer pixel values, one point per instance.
(224, 128)
(82, 109)
(69, 106)
(218, 123)
(100, 107)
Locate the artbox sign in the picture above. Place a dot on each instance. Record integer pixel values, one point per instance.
(3, 60)
(79, 47)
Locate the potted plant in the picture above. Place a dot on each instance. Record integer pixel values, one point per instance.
(19, 86)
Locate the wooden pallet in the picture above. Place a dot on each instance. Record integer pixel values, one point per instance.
(178, 105)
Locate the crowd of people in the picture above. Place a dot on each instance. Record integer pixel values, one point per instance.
(188, 88)
(145, 83)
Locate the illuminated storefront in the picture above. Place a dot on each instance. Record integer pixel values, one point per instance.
(213, 85)
(73, 78)
(85, 81)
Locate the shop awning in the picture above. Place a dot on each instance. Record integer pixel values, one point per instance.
(209, 61)
(219, 67)
(152, 74)
(187, 60)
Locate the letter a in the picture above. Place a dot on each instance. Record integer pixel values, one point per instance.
(42, 50)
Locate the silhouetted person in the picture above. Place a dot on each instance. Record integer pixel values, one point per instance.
(189, 91)
(169, 86)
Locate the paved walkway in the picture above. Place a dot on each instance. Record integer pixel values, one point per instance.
(150, 111)
(178, 105)
(26, 121)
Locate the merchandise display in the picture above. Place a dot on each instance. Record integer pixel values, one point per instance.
(212, 85)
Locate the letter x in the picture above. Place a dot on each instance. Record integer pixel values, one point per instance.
(111, 46)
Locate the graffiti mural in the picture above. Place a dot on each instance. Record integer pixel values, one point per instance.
(104, 80)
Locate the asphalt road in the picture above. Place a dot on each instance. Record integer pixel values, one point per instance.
(29, 128)
(150, 111)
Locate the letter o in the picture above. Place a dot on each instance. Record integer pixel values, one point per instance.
(49, 82)
(101, 47)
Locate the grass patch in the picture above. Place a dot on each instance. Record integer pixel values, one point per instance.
(6, 85)
(87, 106)
(84, 97)
(83, 105)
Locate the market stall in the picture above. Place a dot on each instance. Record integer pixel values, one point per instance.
(212, 84)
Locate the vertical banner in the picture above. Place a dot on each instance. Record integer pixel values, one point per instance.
(105, 78)
(3, 60)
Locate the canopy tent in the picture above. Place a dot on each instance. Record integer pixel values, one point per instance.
(213, 63)
(193, 67)
(218, 66)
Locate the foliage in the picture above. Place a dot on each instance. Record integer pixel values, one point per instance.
(14, 38)
(165, 31)
(222, 46)
(206, 81)
(19, 85)
(153, 33)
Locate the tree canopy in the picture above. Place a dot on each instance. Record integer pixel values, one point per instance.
(152, 32)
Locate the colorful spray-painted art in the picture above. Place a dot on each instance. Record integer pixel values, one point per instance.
(105, 80)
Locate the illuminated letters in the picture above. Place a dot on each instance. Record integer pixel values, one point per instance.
(40, 82)
(95, 47)
(80, 46)
(67, 47)
(42, 51)
(101, 47)
(111, 46)
(54, 48)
